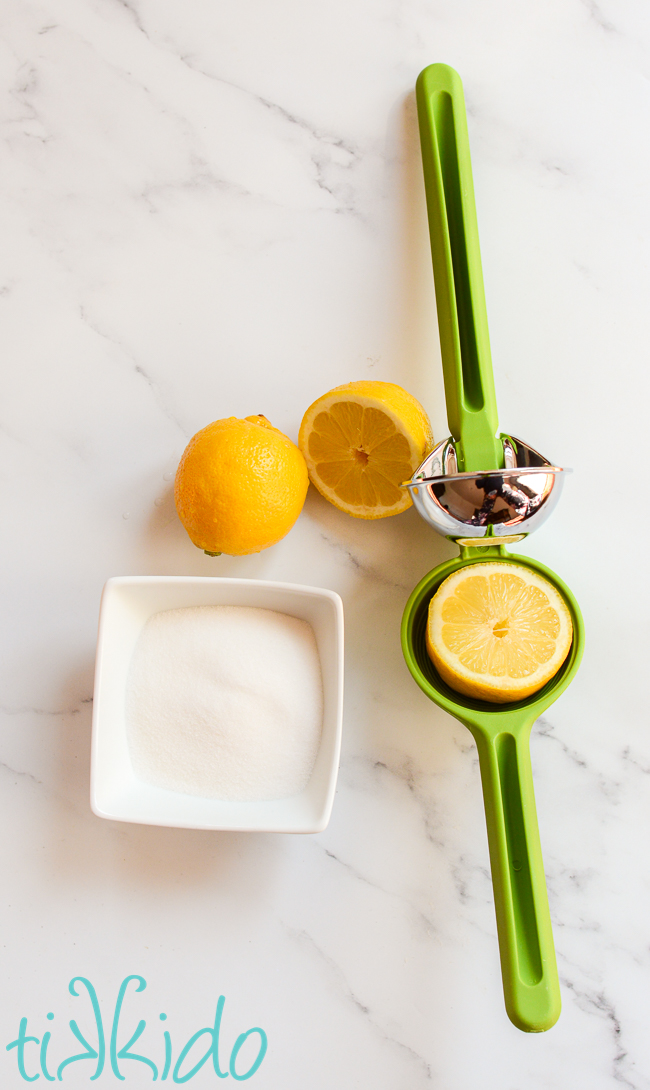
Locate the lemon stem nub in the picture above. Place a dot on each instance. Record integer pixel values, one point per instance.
(211, 554)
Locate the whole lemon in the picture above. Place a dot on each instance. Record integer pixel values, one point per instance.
(240, 486)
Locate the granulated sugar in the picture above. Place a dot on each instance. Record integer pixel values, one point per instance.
(225, 702)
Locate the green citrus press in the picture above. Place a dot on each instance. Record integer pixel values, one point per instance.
(484, 491)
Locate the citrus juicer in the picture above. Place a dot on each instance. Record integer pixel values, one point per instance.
(484, 492)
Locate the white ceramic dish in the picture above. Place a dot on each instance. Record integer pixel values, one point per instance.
(116, 793)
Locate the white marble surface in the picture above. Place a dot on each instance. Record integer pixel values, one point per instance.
(212, 209)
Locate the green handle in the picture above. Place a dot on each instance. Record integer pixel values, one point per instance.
(528, 966)
(460, 297)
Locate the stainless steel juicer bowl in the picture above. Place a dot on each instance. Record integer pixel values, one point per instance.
(503, 504)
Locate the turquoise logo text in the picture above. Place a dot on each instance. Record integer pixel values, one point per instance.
(111, 1056)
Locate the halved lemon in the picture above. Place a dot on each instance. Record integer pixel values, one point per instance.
(360, 441)
(498, 631)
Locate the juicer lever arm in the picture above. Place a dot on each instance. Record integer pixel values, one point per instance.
(460, 296)
(529, 970)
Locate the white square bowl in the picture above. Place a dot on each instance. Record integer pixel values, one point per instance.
(116, 793)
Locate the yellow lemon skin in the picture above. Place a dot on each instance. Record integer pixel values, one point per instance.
(498, 631)
(360, 441)
(240, 486)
